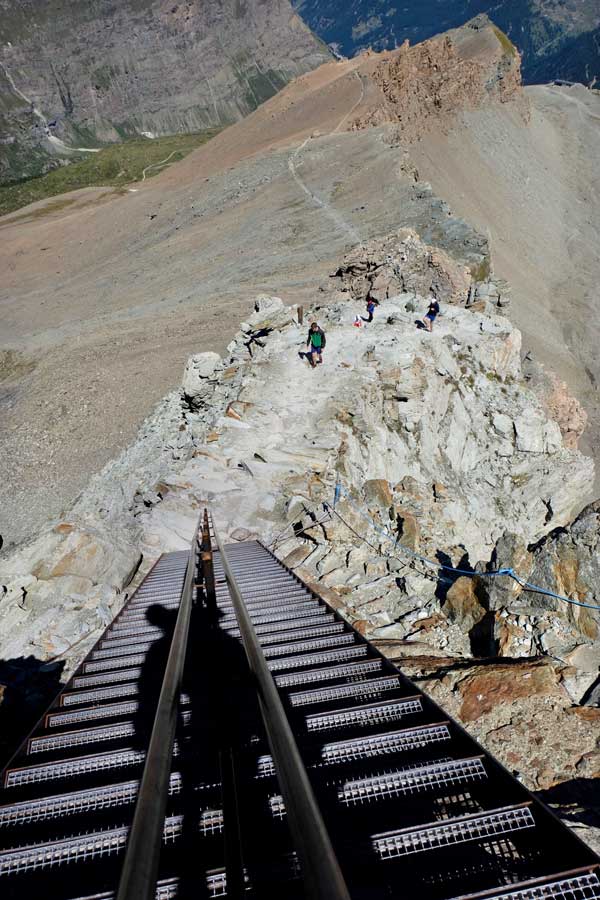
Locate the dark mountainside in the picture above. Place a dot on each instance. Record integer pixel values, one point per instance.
(558, 38)
(79, 74)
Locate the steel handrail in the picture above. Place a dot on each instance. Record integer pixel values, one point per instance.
(323, 879)
(140, 867)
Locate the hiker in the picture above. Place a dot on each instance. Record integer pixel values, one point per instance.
(432, 312)
(316, 344)
(371, 304)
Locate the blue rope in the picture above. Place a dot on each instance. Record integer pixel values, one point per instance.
(469, 573)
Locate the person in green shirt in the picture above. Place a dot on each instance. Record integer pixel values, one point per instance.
(316, 344)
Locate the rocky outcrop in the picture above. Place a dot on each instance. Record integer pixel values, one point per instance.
(403, 263)
(104, 72)
(435, 81)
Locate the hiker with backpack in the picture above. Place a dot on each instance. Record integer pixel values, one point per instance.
(371, 304)
(316, 344)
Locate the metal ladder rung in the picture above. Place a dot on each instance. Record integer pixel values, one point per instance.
(403, 741)
(357, 670)
(578, 885)
(78, 765)
(111, 677)
(95, 845)
(411, 781)
(58, 719)
(276, 627)
(300, 612)
(315, 644)
(478, 827)
(375, 714)
(110, 665)
(368, 688)
(41, 809)
(74, 698)
(110, 653)
(316, 659)
(301, 633)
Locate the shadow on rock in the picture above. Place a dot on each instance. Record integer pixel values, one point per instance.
(27, 688)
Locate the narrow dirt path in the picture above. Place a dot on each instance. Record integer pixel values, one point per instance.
(324, 205)
(158, 164)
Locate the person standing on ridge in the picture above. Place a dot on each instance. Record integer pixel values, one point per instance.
(371, 304)
(432, 313)
(316, 344)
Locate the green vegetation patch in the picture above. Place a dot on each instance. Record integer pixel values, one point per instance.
(114, 166)
(507, 45)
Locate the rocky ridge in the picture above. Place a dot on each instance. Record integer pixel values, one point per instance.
(441, 450)
(432, 82)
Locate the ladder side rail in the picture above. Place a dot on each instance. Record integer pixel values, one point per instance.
(140, 866)
(323, 879)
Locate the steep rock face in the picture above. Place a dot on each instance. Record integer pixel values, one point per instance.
(556, 39)
(102, 72)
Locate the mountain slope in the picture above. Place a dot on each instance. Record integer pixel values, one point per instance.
(551, 34)
(89, 73)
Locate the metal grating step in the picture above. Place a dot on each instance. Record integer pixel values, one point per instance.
(86, 681)
(53, 742)
(109, 665)
(123, 628)
(315, 644)
(108, 796)
(302, 633)
(106, 711)
(391, 711)
(109, 710)
(570, 886)
(70, 768)
(317, 659)
(369, 688)
(295, 624)
(281, 597)
(92, 846)
(75, 698)
(168, 889)
(478, 827)
(285, 611)
(357, 670)
(110, 653)
(131, 640)
(411, 781)
(138, 616)
(118, 731)
(403, 741)
(299, 612)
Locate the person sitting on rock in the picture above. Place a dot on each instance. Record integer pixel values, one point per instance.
(432, 312)
(371, 304)
(316, 344)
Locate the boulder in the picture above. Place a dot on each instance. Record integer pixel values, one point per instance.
(199, 371)
(462, 606)
(378, 492)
